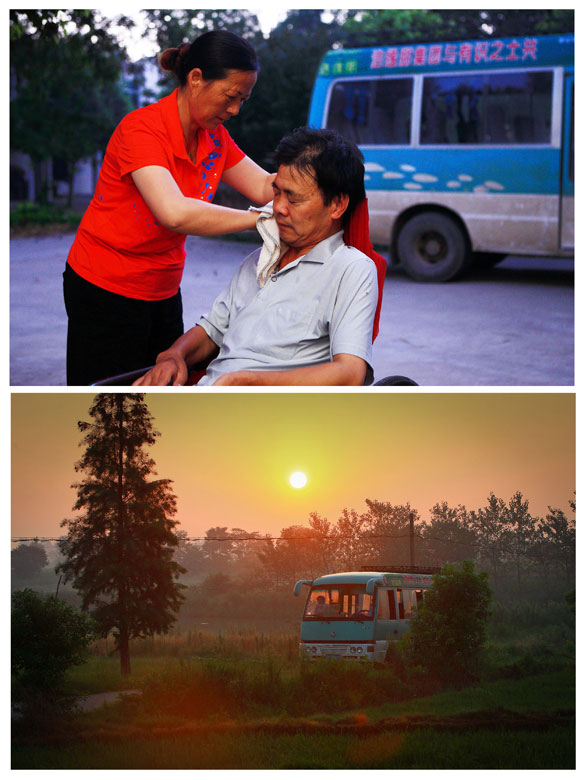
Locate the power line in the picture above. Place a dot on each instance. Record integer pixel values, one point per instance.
(229, 538)
(426, 537)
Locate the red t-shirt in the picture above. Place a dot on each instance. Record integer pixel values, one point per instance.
(119, 245)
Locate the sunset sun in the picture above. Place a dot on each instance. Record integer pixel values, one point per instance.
(298, 479)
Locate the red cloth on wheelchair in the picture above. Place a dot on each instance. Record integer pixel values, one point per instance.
(357, 234)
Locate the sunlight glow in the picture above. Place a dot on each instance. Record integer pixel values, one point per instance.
(298, 479)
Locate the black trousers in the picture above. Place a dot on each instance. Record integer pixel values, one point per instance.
(110, 334)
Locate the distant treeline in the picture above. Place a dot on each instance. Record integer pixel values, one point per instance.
(526, 556)
(519, 550)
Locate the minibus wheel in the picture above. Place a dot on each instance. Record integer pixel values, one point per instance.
(432, 247)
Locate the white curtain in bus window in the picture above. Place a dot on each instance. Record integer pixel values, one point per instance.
(373, 111)
(491, 108)
(407, 603)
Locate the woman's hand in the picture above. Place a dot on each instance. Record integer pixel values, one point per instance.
(170, 369)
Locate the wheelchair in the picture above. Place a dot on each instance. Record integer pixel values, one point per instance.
(196, 372)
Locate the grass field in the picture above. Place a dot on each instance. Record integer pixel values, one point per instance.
(416, 749)
(245, 701)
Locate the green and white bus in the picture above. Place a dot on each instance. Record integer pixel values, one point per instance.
(357, 614)
(468, 146)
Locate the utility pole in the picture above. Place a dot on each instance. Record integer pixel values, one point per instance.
(411, 518)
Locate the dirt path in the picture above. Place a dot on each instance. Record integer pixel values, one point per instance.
(88, 703)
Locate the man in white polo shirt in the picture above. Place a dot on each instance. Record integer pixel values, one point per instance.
(308, 319)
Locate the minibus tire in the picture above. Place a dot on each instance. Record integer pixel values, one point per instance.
(432, 247)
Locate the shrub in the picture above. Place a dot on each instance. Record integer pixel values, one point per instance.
(48, 637)
(448, 635)
(28, 214)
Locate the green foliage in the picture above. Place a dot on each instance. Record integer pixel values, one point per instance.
(66, 93)
(31, 214)
(48, 637)
(28, 559)
(119, 549)
(449, 632)
(266, 686)
(249, 691)
(389, 26)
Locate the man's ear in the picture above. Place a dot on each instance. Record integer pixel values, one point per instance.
(340, 204)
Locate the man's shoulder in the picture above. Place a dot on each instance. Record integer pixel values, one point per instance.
(349, 257)
(247, 267)
(251, 257)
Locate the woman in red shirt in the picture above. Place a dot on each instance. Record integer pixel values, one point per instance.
(160, 172)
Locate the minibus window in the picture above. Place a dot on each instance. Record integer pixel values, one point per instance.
(342, 602)
(383, 608)
(373, 111)
(489, 108)
(400, 603)
(410, 603)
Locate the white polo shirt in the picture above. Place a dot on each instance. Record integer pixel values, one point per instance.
(321, 305)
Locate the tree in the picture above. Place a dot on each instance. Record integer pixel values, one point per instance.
(28, 559)
(66, 96)
(175, 26)
(48, 637)
(178, 25)
(520, 533)
(489, 525)
(350, 548)
(119, 550)
(289, 60)
(387, 532)
(216, 548)
(370, 28)
(447, 537)
(189, 555)
(556, 541)
(448, 634)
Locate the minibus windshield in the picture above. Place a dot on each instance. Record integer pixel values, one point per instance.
(341, 602)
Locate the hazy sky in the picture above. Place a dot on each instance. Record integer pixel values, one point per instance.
(230, 455)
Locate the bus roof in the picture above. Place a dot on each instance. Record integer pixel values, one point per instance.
(363, 577)
(444, 56)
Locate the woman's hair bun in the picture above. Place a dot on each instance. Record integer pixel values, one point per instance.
(214, 53)
(169, 58)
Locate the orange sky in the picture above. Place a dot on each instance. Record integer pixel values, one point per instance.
(230, 454)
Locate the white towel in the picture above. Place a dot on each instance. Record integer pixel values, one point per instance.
(272, 248)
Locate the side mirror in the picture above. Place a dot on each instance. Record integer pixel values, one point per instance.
(300, 584)
(371, 585)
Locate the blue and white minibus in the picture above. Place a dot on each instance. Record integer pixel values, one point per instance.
(468, 146)
(358, 614)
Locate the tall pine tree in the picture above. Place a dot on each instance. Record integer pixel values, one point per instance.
(119, 549)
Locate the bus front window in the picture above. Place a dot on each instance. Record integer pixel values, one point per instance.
(344, 602)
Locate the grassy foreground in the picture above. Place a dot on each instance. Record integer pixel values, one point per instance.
(246, 702)
(417, 749)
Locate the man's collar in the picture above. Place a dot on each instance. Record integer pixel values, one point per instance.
(324, 249)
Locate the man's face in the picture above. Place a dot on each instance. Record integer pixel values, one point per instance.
(303, 219)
